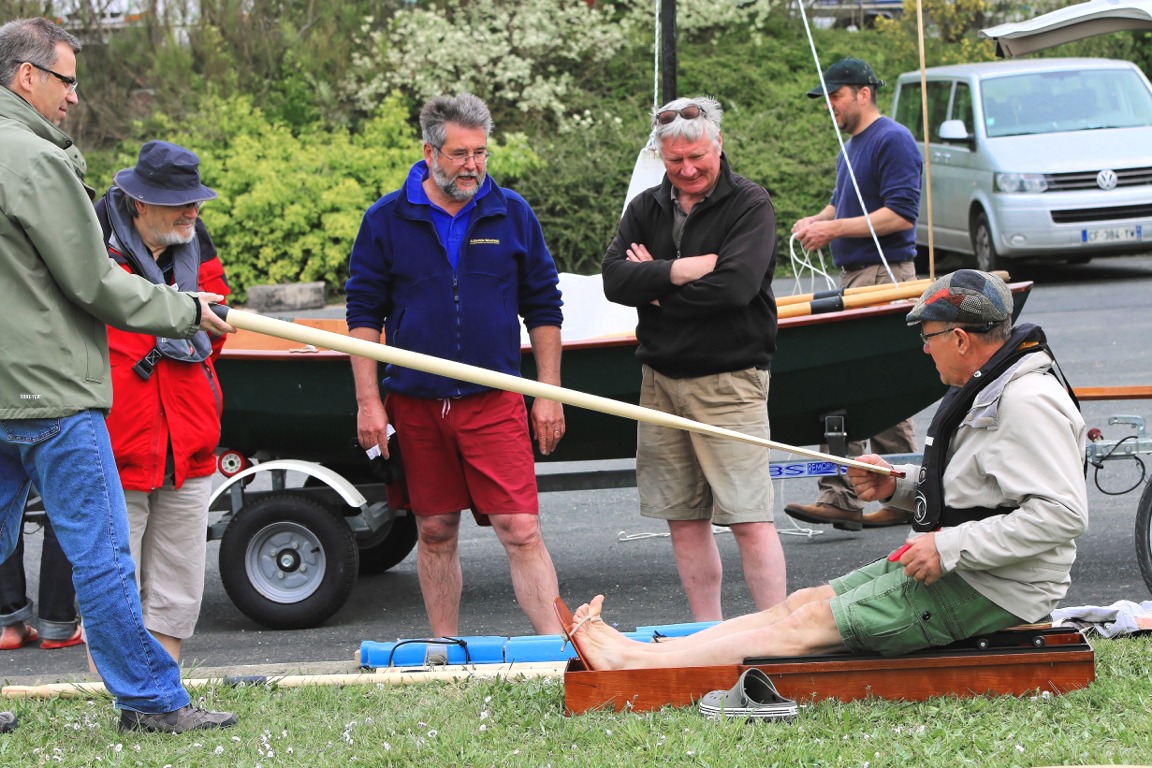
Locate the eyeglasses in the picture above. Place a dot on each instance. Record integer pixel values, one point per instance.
(690, 112)
(925, 336)
(71, 82)
(967, 329)
(461, 158)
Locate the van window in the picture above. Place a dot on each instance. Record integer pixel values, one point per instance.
(1053, 102)
(962, 106)
(909, 112)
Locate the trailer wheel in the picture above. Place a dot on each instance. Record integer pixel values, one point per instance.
(1144, 535)
(288, 561)
(399, 541)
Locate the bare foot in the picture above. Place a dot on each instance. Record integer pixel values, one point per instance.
(604, 647)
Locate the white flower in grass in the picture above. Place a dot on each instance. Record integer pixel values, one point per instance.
(1019, 747)
(219, 749)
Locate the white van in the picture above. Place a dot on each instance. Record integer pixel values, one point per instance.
(1035, 159)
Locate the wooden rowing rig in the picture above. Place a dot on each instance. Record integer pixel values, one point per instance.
(1017, 662)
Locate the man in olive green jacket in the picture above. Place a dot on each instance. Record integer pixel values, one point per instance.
(58, 290)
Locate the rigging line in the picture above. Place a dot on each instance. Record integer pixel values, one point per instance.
(840, 139)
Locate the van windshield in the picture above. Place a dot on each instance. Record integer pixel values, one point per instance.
(1053, 102)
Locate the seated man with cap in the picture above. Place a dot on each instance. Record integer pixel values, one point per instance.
(998, 503)
(165, 418)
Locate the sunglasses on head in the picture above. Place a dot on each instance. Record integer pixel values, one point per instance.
(690, 112)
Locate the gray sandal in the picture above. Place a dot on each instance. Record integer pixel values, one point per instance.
(754, 697)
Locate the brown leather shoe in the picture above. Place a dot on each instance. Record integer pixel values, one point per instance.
(886, 517)
(824, 514)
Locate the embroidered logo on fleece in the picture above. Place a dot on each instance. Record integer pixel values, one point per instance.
(484, 241)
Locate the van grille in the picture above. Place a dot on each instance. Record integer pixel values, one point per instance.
(1081, 215)
(1129, 177)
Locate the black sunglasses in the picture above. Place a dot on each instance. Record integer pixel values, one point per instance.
(690, 112)
(70, 82)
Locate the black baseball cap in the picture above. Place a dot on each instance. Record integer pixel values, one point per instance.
(846, 72)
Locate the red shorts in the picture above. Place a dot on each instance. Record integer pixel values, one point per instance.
(471, 452)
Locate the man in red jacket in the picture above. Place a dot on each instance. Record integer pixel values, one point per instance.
(165, 419)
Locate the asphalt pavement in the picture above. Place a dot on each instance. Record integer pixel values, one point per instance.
(1098, 322)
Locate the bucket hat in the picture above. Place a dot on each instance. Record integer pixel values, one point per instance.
(164, 174)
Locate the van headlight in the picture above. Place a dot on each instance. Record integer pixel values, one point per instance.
(1021, 182)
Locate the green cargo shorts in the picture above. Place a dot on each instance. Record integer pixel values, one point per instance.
(880, 610)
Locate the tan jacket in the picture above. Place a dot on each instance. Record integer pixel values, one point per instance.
(1021, 445)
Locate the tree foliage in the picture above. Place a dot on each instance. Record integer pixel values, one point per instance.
(303, 111)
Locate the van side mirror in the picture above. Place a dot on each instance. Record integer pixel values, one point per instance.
(954, 130)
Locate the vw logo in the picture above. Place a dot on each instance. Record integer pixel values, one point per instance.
(1106, 179)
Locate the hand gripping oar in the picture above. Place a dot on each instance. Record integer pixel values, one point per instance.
(395, 356)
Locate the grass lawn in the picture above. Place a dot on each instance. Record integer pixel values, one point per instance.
(497, 723)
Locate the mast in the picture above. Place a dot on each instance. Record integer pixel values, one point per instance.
(667, 50)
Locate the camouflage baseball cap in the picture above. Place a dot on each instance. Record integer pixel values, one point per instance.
(967, 297)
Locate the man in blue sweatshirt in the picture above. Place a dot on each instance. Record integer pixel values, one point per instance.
(886, 164)
(446, 266)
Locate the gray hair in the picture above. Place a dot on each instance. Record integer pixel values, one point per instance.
(707, 124)
(463, 109)
(33, 41)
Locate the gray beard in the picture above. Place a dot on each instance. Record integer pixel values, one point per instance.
(448, 185)
(172, 238)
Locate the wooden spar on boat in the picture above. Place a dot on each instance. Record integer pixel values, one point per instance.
(800, 298)
(894, 292)
(395, 356)
(1041, 659)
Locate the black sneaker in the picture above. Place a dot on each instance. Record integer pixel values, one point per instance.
(188, 718)
(7, 722)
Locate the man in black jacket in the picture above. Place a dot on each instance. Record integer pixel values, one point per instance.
(695, 256)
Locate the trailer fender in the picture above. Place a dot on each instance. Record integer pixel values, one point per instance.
(334, 480)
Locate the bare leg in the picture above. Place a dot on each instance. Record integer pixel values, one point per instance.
(171, 644)
(533, 574)
(763, 560)
(800, 629)
(438, 568)
(698, 561)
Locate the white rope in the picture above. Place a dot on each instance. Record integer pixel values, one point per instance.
(803, 264)
(840, 139)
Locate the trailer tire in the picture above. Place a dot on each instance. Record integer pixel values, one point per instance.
(399, 541)
(288, 561)
(1144, 535)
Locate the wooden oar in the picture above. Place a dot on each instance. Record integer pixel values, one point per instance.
(801, 298)
(890, 293)
(395, 356)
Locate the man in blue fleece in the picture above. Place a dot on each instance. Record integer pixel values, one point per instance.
(886, 165)
(446, 265)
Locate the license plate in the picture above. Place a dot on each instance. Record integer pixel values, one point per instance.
(1111, 235)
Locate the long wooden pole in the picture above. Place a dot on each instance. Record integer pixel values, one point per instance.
(802, 298)
(891, 292)
(395, 356)
(922, 283)
(393, 676)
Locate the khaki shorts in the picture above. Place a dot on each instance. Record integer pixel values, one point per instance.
(689, 476)
(880, 610)
(169, 540)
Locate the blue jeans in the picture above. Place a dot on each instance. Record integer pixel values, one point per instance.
(56, 608)
(70, 460)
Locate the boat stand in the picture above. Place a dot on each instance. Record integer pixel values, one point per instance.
(1023, 661)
